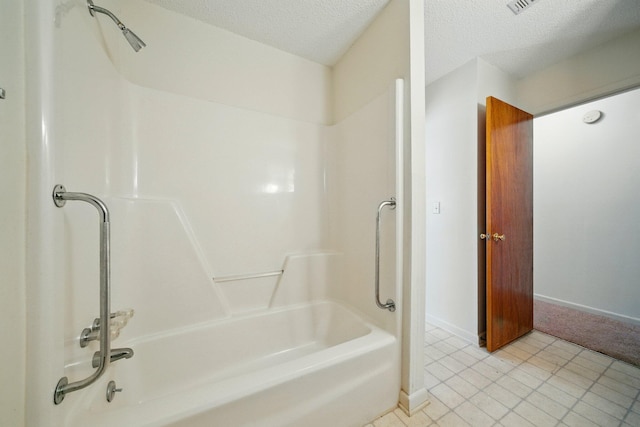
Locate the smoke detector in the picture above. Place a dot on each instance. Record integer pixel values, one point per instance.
(518, 6)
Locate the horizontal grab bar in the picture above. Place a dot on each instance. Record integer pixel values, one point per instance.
(247, 276)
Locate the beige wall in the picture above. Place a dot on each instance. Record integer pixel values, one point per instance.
(379, 56)
(208, 63)
(603, 70)
(12, 216)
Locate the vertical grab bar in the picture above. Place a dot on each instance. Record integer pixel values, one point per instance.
(60, 196)
(390, 304)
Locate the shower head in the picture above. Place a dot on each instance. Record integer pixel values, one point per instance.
(135, 41)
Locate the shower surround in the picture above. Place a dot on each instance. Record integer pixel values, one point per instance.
(219, 162)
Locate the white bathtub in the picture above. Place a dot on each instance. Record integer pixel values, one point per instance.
(286, 367)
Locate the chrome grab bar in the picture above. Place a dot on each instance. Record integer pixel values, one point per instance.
(390, 304)
(60, 196)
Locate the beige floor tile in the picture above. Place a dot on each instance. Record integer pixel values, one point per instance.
(567, 346)
(599, 358)
(434, 353)
(439, 371)
(435, 409)
(555, 354)
(452, 420)
(589, 364)
(525, 378)
(628, 369)
(616, 385)
(489, 405)
(430, 380)
(514, 386)
(501, 364)
(518, 352)
(444, 347)
(474, 416)
(636, 407)
(514, 420)
(535, 416)
(453, 364)
(567, 386)
(447, 395)
(535, 371)
(545, 365)
(507, 357)
(595, 415)
(576, 420)
(487, 370)
(389, 420)
(632, 419)
(456, 342)
(547, 405)
(604, 405)
(419, 419)
(465, 358)
(462, 387)
(623, 376)
(476, 353)
(542, 337)
(557, 395)
(575, 378)
(581, 370)
(612, 395)
(529, 346)
(475, 378)
(502, 395)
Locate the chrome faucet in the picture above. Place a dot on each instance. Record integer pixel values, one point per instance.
(116, 354)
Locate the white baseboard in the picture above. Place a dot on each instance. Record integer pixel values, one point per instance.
(460, 333)
(587, 309)
(411, 404)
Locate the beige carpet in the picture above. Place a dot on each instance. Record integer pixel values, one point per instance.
(614, 338)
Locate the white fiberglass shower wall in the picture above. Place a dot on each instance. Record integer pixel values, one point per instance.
(217, 158)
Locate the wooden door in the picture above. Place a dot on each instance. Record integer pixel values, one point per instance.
(509, 216)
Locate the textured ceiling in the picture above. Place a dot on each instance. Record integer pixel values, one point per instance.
(319, 30)
(549, 31)
(456, 31)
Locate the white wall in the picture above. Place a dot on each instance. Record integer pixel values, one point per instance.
(12, 216)
(454, 131)
(587, 207)
(600, 71)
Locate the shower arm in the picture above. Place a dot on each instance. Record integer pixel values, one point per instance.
(93, 8)
(60, 196)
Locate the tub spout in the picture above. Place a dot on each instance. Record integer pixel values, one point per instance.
(116, 354)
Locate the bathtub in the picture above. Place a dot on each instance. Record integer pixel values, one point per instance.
(292, 366)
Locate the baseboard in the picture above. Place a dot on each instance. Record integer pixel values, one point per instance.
(460, 333)
(587, 309)
(412, 404)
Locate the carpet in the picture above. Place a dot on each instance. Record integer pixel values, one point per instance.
(614, 338)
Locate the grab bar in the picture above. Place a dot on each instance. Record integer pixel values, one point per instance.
(390, 304)
(60, 196)
(247, 276)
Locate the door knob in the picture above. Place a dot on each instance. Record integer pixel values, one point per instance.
(484, 236)
(497, 237)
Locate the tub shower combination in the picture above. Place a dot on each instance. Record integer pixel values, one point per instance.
(246, 313)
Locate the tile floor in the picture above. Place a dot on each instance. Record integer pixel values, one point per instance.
(538, 380)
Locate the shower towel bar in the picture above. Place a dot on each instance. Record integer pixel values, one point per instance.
(390, 304)
(247, 276)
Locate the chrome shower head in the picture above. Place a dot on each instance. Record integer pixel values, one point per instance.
(135, 41)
